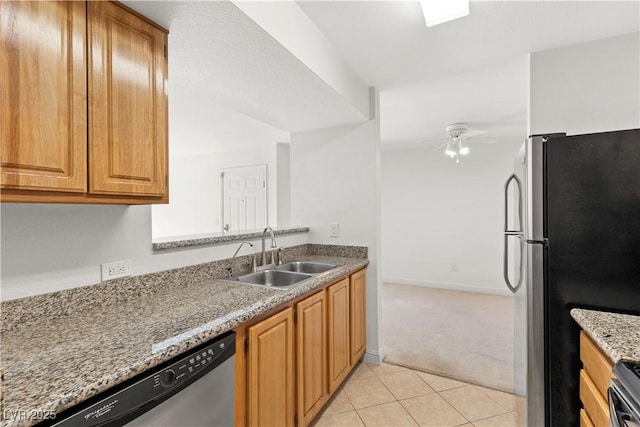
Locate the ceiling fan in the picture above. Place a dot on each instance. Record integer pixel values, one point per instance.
(456, 143)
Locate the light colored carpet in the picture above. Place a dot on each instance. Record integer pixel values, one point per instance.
(461, 335)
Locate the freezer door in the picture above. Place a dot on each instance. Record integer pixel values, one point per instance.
(524, 276)
(523, 209)
(532, 168)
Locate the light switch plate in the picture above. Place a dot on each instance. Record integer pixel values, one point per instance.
(334, 229)
(116, 269)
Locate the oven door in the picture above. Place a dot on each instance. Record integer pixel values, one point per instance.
(621, 407)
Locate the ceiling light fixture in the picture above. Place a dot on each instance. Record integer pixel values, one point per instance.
(439, 11)
(455, 149)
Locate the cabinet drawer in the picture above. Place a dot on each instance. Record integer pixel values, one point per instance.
(594, 404)
(596, 364)
(585, 421)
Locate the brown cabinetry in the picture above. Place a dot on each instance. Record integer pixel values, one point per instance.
(83, 105)
(595, 377)
(338, 333)
(311, 356)
(358, 315)
(270, 375)
(43, 101)
(325, 327)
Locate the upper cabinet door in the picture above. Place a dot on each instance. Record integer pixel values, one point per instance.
(43, 119)
(127, 103)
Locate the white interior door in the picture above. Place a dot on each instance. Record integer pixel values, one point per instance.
(244, 198)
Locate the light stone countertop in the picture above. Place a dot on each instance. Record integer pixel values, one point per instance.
(618, 335)
(177, 242)
(59, 362)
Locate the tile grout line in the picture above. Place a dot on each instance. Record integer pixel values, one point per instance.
(442, 397)
(494, 416)
(416, 372)
(435, 392)
(394, 396)
(454, 408)
(498, 403)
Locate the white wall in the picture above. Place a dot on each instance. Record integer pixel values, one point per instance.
(287, 23)
(585, 88)
(195, 190)
(436, 213)
(283, 160)
(46, 248)
(335, 179)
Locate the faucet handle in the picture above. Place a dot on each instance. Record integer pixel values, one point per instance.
(278, 254)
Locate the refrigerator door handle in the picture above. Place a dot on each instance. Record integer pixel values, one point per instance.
(507, 233)
(517, 232)
(511, 286)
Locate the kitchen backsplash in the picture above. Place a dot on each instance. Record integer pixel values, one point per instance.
(23, 311)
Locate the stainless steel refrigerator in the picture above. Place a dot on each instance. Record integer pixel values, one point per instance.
(572, 239)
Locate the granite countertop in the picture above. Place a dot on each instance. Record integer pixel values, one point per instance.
(57, 363)
(618, 335)
(215, 238)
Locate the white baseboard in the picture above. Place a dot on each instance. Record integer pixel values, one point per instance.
(449, 286)
(374, 357)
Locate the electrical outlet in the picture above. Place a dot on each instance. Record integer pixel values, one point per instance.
(334, 229)
(114, 270)
(454, 268)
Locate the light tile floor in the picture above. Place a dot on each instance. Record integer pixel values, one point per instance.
(393, 396)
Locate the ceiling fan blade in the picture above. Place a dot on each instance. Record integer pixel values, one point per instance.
(440, 146)
(485, 140)
(473, 132)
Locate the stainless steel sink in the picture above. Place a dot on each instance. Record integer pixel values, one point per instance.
(309, 267)
(275, 278)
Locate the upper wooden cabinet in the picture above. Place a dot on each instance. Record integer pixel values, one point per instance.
(43, 98)
(127, 103)
(62, 60)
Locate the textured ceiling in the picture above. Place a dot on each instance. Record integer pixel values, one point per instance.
(493, 99)
(473, 69)
(217, 51)
(388, 44)
(470, 70)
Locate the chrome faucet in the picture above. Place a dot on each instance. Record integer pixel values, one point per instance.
(273, 245)
(230, 269)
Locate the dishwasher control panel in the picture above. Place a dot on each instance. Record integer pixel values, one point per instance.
(121, 404)
(202, 359)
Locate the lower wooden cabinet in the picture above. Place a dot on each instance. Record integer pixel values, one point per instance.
(338, 333)
(358, 315)
(289, 364)
(594, 382)
(311, 356)
(270, 375)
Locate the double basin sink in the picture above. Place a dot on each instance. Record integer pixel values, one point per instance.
(286, 275)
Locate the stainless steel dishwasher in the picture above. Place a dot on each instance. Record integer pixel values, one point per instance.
(193, 389)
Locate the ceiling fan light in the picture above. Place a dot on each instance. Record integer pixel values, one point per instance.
(464, 150)
(439, 11)
(450, 150)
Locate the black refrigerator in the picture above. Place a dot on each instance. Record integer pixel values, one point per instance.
(572, 239)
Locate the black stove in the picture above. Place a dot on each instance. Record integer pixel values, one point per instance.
(624, 395)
